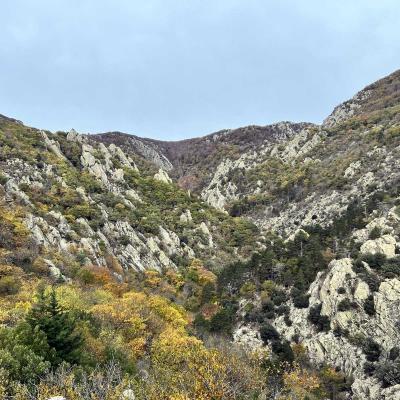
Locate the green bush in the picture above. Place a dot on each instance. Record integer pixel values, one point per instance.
(375, 233)
(345, 305)
(371, 349)
(3, 179)
(23, 352)
(369, 305)
(320, 321)
(268, 333)
(9, 285)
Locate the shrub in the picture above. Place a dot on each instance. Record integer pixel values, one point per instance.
(223, 320)
(59, 328)
(341, 290)
(388, 372)
(9, 285)
(3, 179)
(369, 368)
(375, 261)
(345, 305)
(283, 351)
(375, 233)
(23, 352)
(391, 268)
(373, 281)
(300, 299)
(369, 305)
(278, 297)
(320, 321)
(371, 349)
(268, 332)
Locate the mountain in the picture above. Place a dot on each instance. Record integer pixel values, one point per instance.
(282, 237)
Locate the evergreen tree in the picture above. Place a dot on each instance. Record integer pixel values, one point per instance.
(59, 327)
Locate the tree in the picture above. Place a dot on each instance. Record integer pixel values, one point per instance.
(58, 325)
(23, 352)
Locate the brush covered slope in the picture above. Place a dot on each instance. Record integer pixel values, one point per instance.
(260, 262)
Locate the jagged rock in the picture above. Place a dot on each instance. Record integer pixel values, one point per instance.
(91, 163)
(53, 145)
(128, 394)
(361, 235)
(391, 393)
(55, 272)
(115, 150)
(133, 195)
(186, 217)
(347, 109)
(325, 347)
(204, 229)
(384, 245)
(74, 136)
(162, 176)
(247, 337)
(170, 240)
(118, 175)
(352, 169)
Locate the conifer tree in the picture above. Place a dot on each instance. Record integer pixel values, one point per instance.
(59, 327)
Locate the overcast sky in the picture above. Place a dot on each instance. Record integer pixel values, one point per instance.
(174, 69)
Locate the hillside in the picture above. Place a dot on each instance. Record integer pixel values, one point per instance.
(259, 262)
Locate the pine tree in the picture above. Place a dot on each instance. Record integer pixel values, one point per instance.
(59, 327)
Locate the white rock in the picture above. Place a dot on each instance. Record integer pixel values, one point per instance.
(186, 216)
(248, 337)
(162, 176)
(53, 145)
(384, 245)
(128, 394)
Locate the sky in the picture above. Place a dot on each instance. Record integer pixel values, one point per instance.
(174, 69)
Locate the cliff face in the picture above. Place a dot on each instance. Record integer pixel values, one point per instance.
(91, 200)
(300, 221)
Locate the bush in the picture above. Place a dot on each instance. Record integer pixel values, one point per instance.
(23, 352)
(283, 351)
(59, 328)
(9, 285)
(375, 261)
(345, 305)
(300, 299)
(372, 281)
(223, 320)
(388, 372)
(3, 179)
(369, 305)
(371, 349)
(320, 321)
(268, 332)
(375, 233)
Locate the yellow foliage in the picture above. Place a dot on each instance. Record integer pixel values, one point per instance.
(300, 383)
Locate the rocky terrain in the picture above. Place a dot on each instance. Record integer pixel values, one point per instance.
(299, 222)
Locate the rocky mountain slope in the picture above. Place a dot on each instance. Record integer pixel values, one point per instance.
(93, 201)
(337, 184)
(300, 223)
